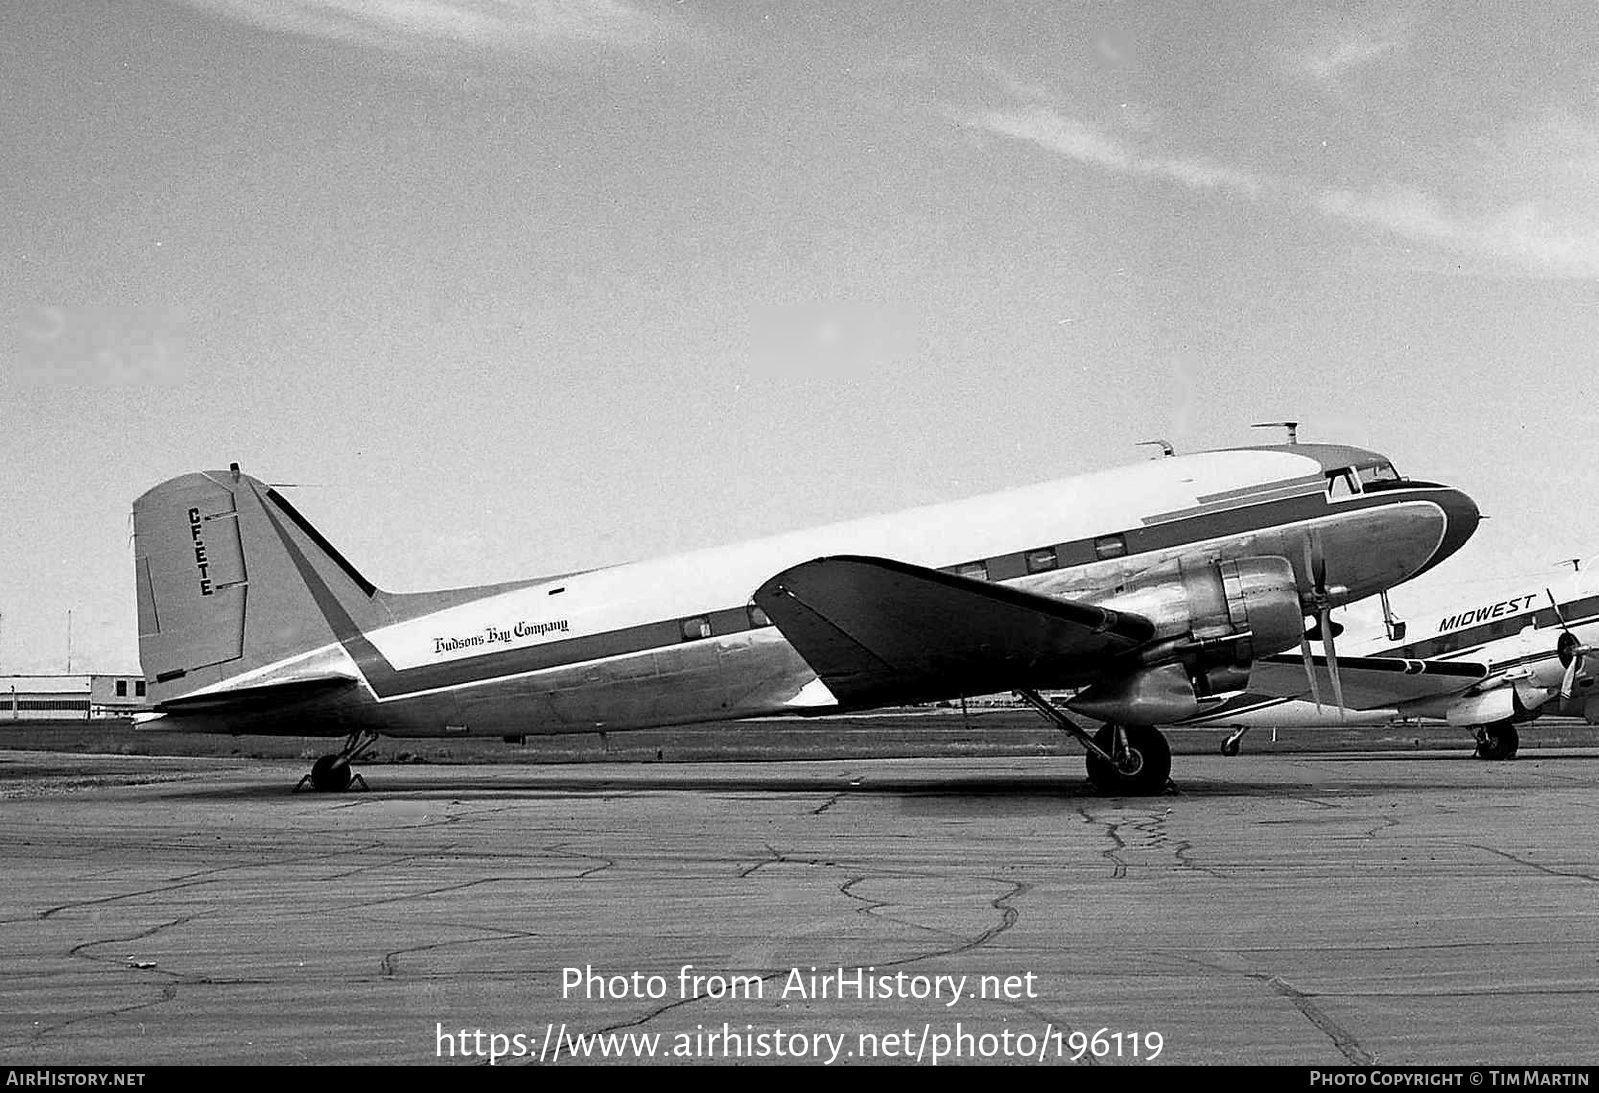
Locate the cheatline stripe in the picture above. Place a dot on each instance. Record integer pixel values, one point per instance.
(1577, 613)
(386, 681)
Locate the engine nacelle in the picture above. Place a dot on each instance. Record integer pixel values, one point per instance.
(1211, 620)
(1158, 695)
(1215, 614)
(1499, 704)
(1220, 679)
(1546, 673)
(1149, 696)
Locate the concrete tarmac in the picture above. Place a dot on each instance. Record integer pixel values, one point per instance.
(1307, 909)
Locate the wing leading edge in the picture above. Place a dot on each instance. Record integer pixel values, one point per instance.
(880, 632)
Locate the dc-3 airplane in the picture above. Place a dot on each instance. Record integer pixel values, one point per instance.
(1141, 589)
(1488, 663)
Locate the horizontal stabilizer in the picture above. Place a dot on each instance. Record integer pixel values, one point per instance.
(270, 695)
(1368, 682)
(881, 632)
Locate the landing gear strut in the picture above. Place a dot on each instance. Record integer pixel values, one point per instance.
(1127, 760)
(1497, 741)
(332, 773)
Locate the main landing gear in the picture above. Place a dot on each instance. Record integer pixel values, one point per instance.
(1497, 741)
(1126, 760)
(332, 773)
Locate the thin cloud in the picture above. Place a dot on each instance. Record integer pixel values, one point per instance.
(1521, 236)
(1525, 199)
(418, 26)
(1337, 55)
(1330, 64)
(1051, 130)
(1499, 229)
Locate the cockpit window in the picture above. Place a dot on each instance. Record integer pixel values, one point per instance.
(1379, 472)
(1342, 483)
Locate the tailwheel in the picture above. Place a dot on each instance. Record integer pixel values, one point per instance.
(1229, 746)
(332, 773)
(1497, 741)
(1140, 761)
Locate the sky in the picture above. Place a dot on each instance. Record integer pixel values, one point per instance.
(510, 287)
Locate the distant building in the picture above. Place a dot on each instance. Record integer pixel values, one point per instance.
(53, 698)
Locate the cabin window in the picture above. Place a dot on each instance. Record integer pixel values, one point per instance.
(138, 689)
(977, 571)
(1110, 546)
(1042, 560)
(122, 688)
(758, 618)
(697, 627)
(1341, 484)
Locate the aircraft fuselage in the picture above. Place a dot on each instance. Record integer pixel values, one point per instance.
(678, 639)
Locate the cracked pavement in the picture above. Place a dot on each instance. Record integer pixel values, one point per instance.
(1312, 909)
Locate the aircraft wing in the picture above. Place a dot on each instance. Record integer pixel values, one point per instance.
(881, 632)
(1368, 682)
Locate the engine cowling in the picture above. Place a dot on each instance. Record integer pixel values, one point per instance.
(1249, 605)
(1212, 619)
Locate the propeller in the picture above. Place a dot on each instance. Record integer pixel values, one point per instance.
(1321, 600)
(1569, 649)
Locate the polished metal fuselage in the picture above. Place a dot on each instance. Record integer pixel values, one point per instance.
(673, 641)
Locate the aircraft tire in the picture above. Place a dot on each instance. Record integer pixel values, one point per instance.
(1498, 741)
(328, 775)
(1150, 771)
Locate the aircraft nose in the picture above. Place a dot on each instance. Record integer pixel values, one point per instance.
(1460, 520)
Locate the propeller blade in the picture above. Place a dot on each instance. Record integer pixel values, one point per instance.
(1571, 652)
(1332, 659)
(1316, 572)
(1310, 669)
(1568, 649)
(1560, 618)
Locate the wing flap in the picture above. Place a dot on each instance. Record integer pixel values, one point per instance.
(1368, 682)
(881, 632)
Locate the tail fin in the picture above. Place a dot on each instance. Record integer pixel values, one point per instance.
(232, 579)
